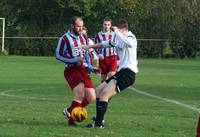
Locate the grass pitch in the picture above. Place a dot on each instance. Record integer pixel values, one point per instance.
(33, 93)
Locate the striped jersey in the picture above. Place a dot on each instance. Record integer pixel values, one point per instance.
(69, 48)
(126, 45)
(101, 36)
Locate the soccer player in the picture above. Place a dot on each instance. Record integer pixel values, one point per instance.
(126, 44)
(76, 60)
(107, 56)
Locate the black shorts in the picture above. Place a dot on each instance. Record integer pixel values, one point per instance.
(125, 78)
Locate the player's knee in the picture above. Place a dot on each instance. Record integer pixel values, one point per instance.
(79, 94)
(92, 97)
(104, 95)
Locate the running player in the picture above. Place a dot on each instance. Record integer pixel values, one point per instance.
(126, 45)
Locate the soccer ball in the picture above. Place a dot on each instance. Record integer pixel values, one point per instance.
(79, 114)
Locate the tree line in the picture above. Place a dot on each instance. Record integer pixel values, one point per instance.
(175, 23)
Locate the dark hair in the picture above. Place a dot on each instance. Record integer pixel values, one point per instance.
(122, 23)
(107, 19)
(75, 18)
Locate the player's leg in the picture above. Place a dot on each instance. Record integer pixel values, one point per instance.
(115, 84)
(100, 88)
(105, 95)
(108, 91)
(76, 82)
(98, 91)
(79, 94)
(111, 73)
(90, 95)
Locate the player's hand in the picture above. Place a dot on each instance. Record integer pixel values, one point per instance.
(114, 28)
(84, 47)
(80, 59)
(101, 57)
(97, 70)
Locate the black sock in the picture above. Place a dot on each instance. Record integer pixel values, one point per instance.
(97, 103)
(101, 110)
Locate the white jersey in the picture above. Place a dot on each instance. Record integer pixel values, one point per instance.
(126, 50)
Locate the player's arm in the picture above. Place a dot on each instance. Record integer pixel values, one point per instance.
(103, 44)
(94, 53)
(61, 53)
(128, 40)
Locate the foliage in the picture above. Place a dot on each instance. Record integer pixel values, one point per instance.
(176, 21)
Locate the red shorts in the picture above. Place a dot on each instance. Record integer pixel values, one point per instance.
(75, 75)
(108, 64)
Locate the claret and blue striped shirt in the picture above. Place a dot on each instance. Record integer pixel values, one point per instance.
(69, 48)
(106, 52)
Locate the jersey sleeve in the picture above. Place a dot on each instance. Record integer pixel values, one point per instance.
(63, 54)
(129, 40)
(107, 44)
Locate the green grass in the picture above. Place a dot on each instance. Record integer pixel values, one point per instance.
(33, 93)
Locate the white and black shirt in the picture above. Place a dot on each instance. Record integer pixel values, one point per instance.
(126, 45)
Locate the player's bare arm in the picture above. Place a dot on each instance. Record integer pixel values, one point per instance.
(80, 59)
(95, 46)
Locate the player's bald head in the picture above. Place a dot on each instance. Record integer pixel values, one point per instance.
(75, 19)
(77, 25)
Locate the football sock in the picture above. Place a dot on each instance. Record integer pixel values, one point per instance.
(97, 104)
(73, 105)
(70, 121)
(101, 110)
(84, 103)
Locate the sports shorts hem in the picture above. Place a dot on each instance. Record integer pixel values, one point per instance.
(125, 78)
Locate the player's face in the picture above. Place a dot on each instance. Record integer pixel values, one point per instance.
(78, 27)
(106, 26)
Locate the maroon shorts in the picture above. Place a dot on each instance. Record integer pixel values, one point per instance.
(75, 75)
(108, 64)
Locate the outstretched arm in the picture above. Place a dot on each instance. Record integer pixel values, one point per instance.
(95, 46)
(103, 44)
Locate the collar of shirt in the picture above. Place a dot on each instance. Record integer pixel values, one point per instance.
(72, 35)
(105, 33)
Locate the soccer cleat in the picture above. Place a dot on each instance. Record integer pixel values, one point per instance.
(99, 126)
(93, 125)
(69, 119)
(72, 125)
(90, 125)
(66, 113)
